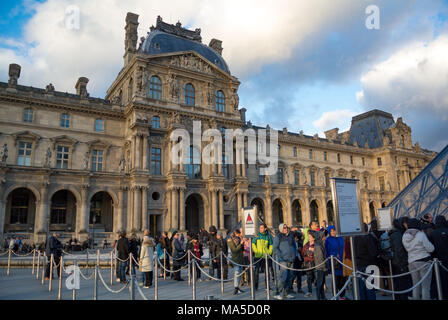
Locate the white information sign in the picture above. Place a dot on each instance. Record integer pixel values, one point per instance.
(384, 219)
(348, 215)
(250, 222)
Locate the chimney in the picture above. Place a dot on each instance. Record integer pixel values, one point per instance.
(14, 74)
(216, 45)
(131, 36)
(81, 87)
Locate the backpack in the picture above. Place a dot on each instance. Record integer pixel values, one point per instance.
(386, 252)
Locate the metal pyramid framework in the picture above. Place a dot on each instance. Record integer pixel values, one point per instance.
(427, 193)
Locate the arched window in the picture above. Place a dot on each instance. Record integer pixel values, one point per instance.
(155, 88)
(189, 94)
(194, 167)
(220, 101)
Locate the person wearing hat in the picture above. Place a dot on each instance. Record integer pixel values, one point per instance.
(212, 251)
(285, 249)
(195, 247)
(419, 250)
(236, 245)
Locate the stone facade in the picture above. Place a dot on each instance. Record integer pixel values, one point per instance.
(78, 164)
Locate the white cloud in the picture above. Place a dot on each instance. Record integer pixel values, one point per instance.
(334, 119)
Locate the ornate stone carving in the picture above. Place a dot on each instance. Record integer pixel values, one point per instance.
(4, 153)
(49, 89)
(190, 61)
(85, 161)
(122, 164)
(47, 163)
(177, 30)
(174, 88)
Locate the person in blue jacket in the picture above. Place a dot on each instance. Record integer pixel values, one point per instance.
(335, 247)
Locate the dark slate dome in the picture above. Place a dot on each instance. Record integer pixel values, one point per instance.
(167, 38)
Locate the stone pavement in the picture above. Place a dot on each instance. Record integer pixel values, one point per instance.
(22, 285)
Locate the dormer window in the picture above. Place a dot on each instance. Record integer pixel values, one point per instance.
(155, 88)
(189, 94)
(220, 101)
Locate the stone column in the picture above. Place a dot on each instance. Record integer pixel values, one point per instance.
(42, 205)
(239, 205)
(145, 224)
(245, 199)
(268, 213)
(243, 165)
(83, 225)
(221, 209)
(174, 214)
(214, 213)
(237, 160)
(132, 147)
(119, 220)
(130, 211)
(145, 152)
(137, 208)
(288, 210)
(181, 210)
(138, 151)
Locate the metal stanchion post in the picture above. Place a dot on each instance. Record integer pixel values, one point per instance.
(355, 279)
(61, 263)
(95, 287)
(222, 274)
(34, 259)
(252, 291)
(38, 265)
(164, 264)
(391, 280)
(111, 269)
(189, 267)
(266, 273)
(333, 277)
(194, 280)
(438, 281)
(75, 270)
(9, 261)
(131, 275)
(44, 266)
(51, 272)
(156, 278)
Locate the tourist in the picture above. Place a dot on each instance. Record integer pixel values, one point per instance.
(123, 256)
(53, 247)
(308, 262)
(399, 260)
(236, 245)
(166, 247)
(178, 254)
(261, 245)
(246, 259)
(334, 246)
(146, 259)
(321, 266)
(222, 250)
(312, 226)
(419, 250)
(366, 254)
(212, 251)
(133, 249)
(285, 250)
(298, 263)
(160, 255)
(196, 250)
(439, 237)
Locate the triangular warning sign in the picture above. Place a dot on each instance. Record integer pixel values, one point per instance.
(249, 219)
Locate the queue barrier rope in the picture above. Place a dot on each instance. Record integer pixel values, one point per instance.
(108, 288)
(292, 269)
(23, 255)
(167, 270)
(242, 265)
(350, 278)
(443, 267)
(410, 289)
(213, 278)
(4, 253)
(139, 290)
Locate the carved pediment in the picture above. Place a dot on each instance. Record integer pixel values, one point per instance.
(26, 135)
(98, 144)
(65, 140)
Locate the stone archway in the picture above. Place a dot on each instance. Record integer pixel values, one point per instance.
(297, 217)
(260, 208)
(20, 211)
(194, 213)
(101, 212)
(372, 210)
(63, 211)
(314, 211)
(277, 213)
(330, 213)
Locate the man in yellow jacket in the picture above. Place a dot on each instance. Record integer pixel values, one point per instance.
(261, 245)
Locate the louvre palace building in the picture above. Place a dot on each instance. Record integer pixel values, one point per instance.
(78, 165)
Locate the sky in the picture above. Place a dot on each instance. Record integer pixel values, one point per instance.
(304, 65)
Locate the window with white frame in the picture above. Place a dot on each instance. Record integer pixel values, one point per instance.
(97, 160)
(65, 120)
(62, 156)
(28, 114)
(156, 122)
(24, 155)
(99, 125)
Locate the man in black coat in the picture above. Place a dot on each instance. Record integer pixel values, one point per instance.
(366, 253)
(123, 256)
(221, 248)
(399, 260)
(178, 253)
(439, 237)
(212, 251)
(53, 247)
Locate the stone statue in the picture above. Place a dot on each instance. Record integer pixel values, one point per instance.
(122, 164)
(235, 100)
(4, 153)
(174, 89)
(139, 81)
(304, 179)
(49, 88)
(86, 161)
(209, 94)
(48, 158)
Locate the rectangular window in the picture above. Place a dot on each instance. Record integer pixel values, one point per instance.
(294, 151)
(99, 125)
(156, 122)
(380, 163)
(382, 184)
(339, 157)
(62, 157)
(363, 161)
(310, 151)
(327, 179)
(280, 175)
(24, 158)
(325, 156)
(97, 160)
(351, 159)
(65, 120)
(156, 161)
(28, 115)
(260, 178)
(313, 178)
(225, 167)
(296, 177)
